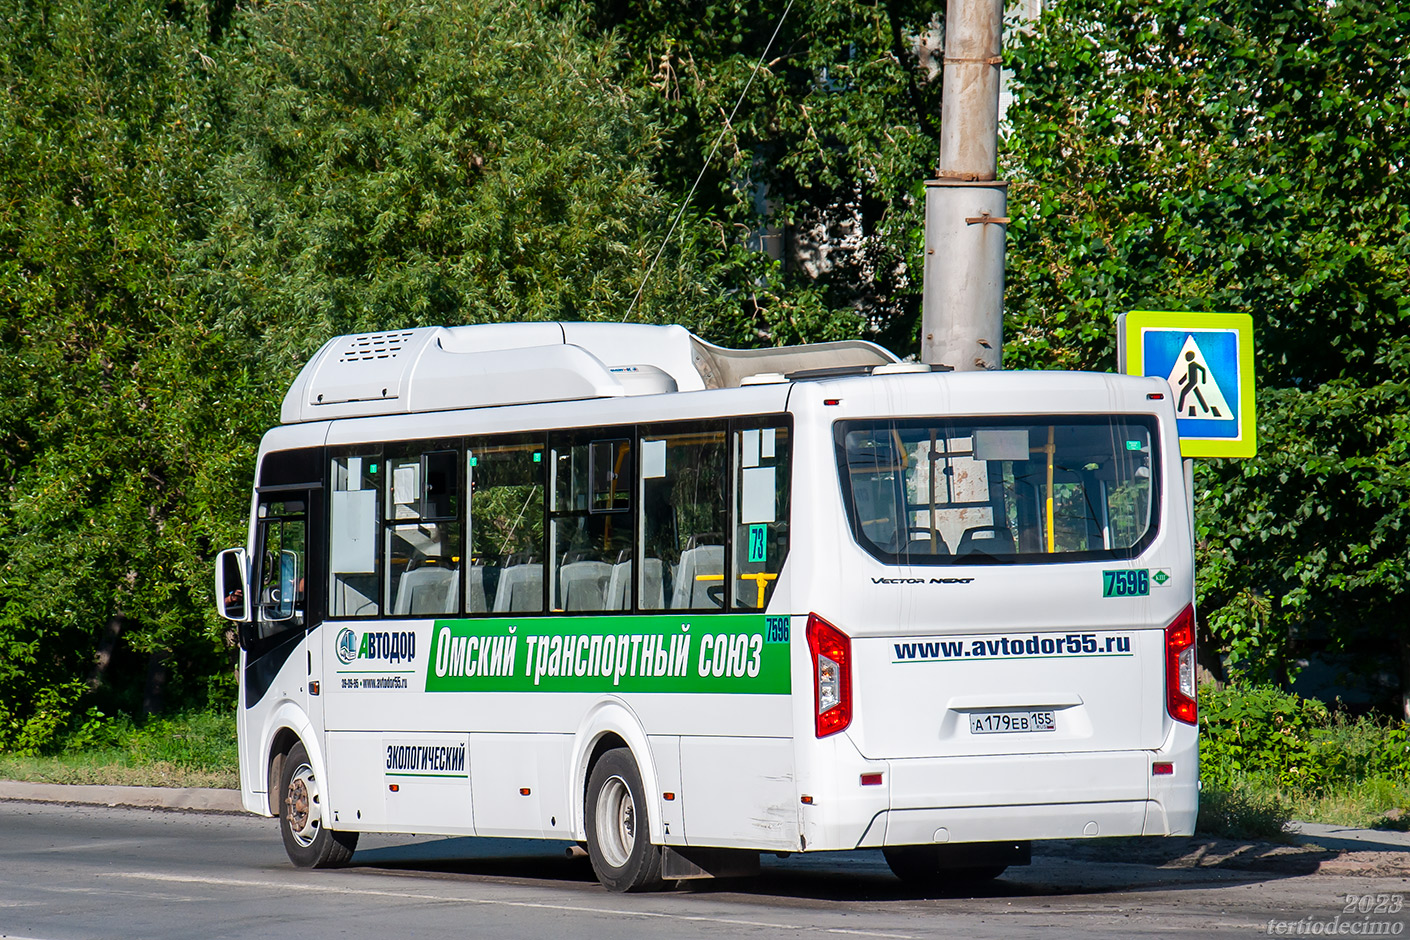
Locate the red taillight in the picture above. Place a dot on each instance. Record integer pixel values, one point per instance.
(1180, 667)
(832, 675)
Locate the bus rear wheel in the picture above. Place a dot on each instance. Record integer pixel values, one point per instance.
(922, 866)
(618, 831)
(302, 809)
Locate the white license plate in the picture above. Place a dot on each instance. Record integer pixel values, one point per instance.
(1001, 722)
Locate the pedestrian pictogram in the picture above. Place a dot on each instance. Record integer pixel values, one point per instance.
(1206, 360)
(1196, 391)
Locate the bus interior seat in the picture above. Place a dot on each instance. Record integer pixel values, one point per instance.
(653, 596)
(475, 589)
(653, 583)
(998, 542)
(617, 597)
(353, 595)
(701, 568)
(583, 585)
(432, 589)
(520, 589)
(921, 544)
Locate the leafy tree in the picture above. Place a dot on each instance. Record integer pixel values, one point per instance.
(823, 164)
(110, 453)
(457, 161)
(1187, 154)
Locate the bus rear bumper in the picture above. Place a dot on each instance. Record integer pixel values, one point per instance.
(1031, 797)
(1022, 823)
(1080, 795)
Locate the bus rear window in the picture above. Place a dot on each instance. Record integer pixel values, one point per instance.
(996, 491)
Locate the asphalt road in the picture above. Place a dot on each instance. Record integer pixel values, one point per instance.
(71, 872)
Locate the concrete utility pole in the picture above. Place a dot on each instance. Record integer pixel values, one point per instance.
(966, 208)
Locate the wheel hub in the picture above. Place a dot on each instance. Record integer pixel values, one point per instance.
(301, 806)
(616, 822)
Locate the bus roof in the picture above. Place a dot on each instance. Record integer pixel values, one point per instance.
(442, 368)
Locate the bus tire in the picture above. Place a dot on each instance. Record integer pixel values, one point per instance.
(302, 809)
(920, 867)
(618, 828)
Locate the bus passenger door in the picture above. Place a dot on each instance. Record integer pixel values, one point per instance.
(277, 661)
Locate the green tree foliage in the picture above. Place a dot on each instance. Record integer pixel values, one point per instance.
(1193, 155)
(396, 164)
(825, 158)
(109, 458)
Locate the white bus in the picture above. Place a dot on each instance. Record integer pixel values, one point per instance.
(681, 604)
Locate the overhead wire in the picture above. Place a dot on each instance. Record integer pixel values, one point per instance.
(729, 121)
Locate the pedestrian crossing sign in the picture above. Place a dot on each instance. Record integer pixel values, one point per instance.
(1207, 360)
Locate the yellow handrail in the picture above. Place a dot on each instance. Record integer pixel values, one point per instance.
(1050, 450)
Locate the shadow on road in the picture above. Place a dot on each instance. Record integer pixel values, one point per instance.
(492, 858)
(1195, 854)
(1083, 867)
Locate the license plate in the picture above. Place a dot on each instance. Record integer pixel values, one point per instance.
(1001, 722)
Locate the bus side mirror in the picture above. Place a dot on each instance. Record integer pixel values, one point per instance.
(232, 585)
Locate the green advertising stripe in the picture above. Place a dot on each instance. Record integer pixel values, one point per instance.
(718, 653)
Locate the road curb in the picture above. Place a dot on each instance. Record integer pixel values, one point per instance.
(199, 799)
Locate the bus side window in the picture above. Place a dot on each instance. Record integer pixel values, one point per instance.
(422, 547)
(683, 520)
(352, 523)
(591, 517)
(875, 465)
(506, 538)
(761, 474)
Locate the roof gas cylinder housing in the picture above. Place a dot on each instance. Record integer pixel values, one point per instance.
(441, 368)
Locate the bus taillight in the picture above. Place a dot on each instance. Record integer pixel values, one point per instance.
(832, 675)
(1180, 667)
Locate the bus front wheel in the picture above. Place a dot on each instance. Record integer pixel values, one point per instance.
(302, 807)
(618, 831)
